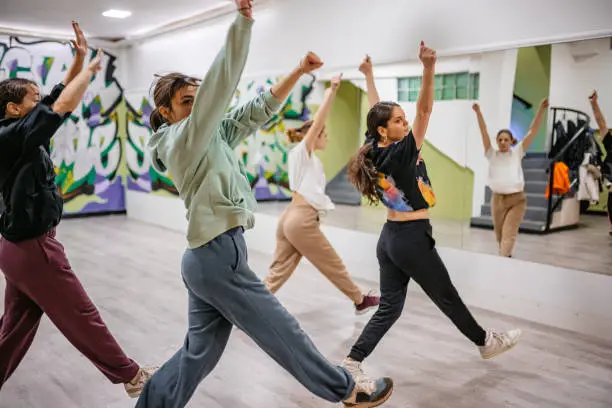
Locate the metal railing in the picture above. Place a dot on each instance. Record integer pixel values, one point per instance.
(552, 202)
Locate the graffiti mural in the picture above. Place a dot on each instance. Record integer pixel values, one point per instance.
(88, 149)
(264, 155)
(142, 176)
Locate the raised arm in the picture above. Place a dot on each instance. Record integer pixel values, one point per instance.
(218, 86)
(486, 140)
(72, 94)
(426, 95)
(366, 69)
(535, 125)
(242, 121)
(80, 51)
(38, 127)
(599, 117)
(320, 118)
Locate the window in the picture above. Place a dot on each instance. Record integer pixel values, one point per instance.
(408, 89)
(474, 85)
(447, 87)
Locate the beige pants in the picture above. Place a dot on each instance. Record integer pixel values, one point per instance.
(298, 235)
(508, 211)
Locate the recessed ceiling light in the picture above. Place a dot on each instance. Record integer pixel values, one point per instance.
(117, 13)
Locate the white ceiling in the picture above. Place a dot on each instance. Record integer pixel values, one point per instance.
(52, 17)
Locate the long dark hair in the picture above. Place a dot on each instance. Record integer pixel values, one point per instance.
(361, 170)
(165, 86)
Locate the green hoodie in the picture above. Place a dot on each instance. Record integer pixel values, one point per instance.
(198, 152)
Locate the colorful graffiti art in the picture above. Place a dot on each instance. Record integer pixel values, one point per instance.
(142, 176)
(264, 155)
(88, 149)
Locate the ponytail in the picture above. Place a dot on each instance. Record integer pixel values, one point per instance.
(296, 135)
(363, 175)
(156, 119)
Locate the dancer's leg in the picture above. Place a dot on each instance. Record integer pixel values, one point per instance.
(286, 257)
(610, 207)
(18, 327)
(498, 215)
(218, 274)
(176, 381)
(393, 287)
(302, 230)
(39, 269)
(517, 204)
(414, 249)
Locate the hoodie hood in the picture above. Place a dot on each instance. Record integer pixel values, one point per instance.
(155, 144)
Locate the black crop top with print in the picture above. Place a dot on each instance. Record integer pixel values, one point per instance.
(403, 183)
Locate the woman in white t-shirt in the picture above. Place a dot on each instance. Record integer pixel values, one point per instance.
(506, 178)
(298, 233)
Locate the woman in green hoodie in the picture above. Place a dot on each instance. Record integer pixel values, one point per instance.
(195, 140)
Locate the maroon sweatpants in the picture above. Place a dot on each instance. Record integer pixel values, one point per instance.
(39, 280)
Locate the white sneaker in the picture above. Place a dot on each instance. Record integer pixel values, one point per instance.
(368, 392)
(497, 343)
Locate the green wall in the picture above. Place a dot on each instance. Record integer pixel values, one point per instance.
(343, 126)
(531, 83)
(453, 184)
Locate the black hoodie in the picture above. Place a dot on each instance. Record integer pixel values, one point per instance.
(32, 203)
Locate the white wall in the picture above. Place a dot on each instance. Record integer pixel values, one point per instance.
(342, 31)
(573, 79)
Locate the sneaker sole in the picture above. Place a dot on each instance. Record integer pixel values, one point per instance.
(490, 356)
(134, 394)
(375, 403)
(366, 310)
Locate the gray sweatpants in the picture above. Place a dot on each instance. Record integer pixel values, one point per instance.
(223, 290)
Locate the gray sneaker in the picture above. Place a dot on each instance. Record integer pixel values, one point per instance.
(367, 392)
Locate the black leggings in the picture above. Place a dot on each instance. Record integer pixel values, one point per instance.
(610, 205)
(407, 250)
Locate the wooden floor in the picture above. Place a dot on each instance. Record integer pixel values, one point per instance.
(131, 271)
(587, 248)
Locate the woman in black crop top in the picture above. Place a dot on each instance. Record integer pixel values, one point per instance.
(605, 135)
(389, 168)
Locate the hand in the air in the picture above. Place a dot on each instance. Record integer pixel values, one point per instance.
(245, 7)
(80, 43)
(427, 55)
(310, 62)
(366, 65)
(96, 64)
(335, 82)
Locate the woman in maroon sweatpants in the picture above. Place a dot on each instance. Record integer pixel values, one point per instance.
(38, 276)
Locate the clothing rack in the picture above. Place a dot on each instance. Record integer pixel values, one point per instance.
(581, 132)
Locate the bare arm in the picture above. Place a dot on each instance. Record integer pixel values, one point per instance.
(80, 48)
(426, 95)
(535, 125)
(308, 64)
(321, 116)
(366, 69)
(486, 139)
(72, 94)
(599, 117)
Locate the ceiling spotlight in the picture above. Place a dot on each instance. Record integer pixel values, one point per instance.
(117, 13)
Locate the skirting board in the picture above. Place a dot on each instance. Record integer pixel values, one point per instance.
(559, 297)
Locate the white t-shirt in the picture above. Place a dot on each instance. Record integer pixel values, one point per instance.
(506, 170)
(306, 176)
